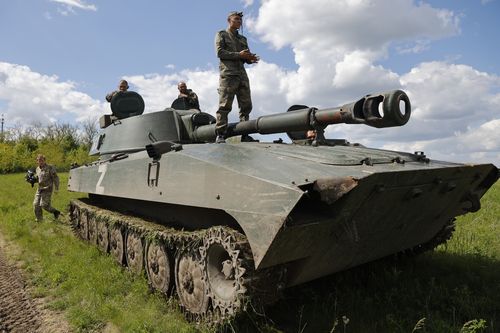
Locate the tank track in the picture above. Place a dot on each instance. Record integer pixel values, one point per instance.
(442, 237)
(210, 270)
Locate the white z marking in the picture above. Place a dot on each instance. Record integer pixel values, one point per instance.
(102, 170)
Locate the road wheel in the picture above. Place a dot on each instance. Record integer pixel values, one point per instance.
(92, 229)
(158, 267)
(191, 282)
(83, 225)
(134, 254)
(102, 237)
(116, 243)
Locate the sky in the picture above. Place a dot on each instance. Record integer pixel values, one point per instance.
(59, 58)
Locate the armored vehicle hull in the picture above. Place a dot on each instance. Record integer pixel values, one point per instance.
(220, 223)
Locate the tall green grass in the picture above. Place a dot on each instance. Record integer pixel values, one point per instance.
(90, 288)
(453, 289)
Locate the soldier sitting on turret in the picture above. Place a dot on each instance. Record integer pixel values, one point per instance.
(189, 96)
(123, 103)
(122, 86)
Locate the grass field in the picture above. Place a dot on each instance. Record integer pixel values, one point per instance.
(453, 289)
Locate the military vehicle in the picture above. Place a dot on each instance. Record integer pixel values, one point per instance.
(222, 225)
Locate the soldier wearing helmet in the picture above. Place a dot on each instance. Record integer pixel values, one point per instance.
(233, 51)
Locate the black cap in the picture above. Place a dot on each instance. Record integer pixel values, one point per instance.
(240, 14)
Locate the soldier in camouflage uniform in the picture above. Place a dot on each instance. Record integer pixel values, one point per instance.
(233, 52)
(189, 95)
(122, 86)
(47, 180)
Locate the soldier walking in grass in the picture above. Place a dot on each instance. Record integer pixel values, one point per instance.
(47, 181)
(233, 52)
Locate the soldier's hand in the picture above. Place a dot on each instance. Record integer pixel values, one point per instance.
(255, 58)
(249, 57)
(245, 54)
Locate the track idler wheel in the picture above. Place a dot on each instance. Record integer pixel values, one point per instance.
(226, 267)
(191, 282)
(158, 267)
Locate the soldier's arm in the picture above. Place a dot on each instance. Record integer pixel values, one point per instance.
(249, 57)
(194, 98)
(220, 46)
(110, 96)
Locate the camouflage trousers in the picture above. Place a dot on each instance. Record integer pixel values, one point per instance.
(42, 200)
(229, 86)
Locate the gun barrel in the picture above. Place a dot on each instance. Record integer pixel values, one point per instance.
(387, 109)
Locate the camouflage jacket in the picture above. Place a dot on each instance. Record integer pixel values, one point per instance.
(192, 99)
(47, 177)
(110, 95)
(227, 46)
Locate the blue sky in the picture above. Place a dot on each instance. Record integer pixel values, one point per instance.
(58, 59)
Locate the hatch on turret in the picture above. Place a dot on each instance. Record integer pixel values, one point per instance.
(126, 104)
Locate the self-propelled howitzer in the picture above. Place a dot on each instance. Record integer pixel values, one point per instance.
(221, 223)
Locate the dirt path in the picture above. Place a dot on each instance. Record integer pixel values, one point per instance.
(18, 311)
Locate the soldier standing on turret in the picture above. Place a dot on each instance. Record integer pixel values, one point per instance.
(233, 52)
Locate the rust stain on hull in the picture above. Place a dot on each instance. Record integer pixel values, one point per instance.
(332, 189)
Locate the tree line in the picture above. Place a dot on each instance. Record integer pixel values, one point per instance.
(62, 143)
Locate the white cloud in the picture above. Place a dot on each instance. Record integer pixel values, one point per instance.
(450, 91)
(69, 6)
(337, 56)
(336, 43)
(350, 24)
(418, 46)
(247, 3)
(478, 144)
(159, 91)
(31, 96)
(455, 115)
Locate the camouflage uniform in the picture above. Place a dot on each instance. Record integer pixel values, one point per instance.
(47, 178)
(233, 77)
(111, 94)
(191, 99)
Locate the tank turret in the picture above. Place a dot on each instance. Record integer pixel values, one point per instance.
(192, 126)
